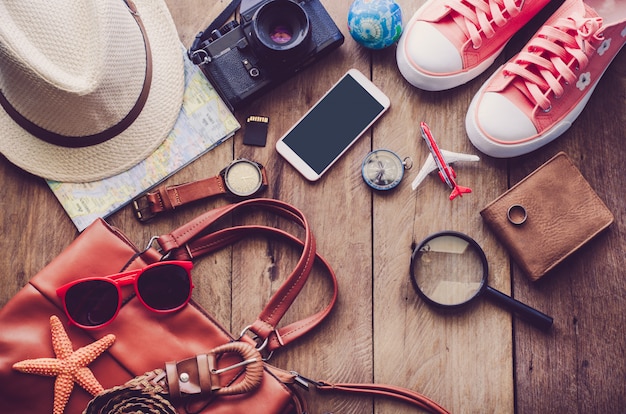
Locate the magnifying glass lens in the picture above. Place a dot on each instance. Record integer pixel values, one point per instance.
(448, 270)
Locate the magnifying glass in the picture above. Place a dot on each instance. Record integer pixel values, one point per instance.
(449, 270)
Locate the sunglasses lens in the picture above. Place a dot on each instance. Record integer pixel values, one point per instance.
(164, 287)
(92, 303)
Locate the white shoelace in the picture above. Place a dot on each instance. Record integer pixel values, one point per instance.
(482, 16)
(552, 57)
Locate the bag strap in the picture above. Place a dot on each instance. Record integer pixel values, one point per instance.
(195, 239)
(402, 394)
(391, 391)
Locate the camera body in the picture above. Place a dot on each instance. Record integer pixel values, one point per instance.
(273, 40)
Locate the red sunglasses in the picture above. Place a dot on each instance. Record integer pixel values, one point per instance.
(94, 302)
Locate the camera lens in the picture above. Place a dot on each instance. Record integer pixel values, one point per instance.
(281, 31)
(281, 34)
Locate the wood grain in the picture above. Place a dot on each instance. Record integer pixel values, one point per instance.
(481, 360)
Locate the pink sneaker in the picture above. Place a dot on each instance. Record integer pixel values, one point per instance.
(535, 97)
(449, 42)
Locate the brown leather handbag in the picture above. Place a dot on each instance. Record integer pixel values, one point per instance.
(177, 362)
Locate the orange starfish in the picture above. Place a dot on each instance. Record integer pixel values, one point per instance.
(69, 366)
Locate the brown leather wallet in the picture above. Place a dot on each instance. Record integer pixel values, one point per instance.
(547, 216)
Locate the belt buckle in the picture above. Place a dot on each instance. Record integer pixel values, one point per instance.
(142, 208)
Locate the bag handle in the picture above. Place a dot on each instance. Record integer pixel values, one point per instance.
(191, 241)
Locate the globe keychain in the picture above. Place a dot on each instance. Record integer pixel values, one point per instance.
(383, 169)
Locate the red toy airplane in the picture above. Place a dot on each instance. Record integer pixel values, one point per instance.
(436, 158)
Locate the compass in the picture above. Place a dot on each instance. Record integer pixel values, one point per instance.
(383, 169)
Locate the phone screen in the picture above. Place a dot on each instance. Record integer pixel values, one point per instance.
(335, 122)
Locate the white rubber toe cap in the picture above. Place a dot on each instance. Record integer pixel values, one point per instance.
(431, 51)
(497, 127)
(499, 117)
(500, 129)
(425, 57)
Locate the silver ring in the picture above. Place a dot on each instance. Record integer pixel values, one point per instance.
(517, 214)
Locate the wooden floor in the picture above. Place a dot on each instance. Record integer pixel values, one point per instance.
(479, 361)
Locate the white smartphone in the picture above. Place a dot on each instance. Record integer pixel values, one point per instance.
(332, 125)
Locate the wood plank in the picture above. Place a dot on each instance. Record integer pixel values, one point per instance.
(341, 350)
(582, 361)
(478, 360)
(416, 346)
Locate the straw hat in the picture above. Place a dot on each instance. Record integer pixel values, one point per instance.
(84, 94)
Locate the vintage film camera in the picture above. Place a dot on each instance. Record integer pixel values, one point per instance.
(273, 40)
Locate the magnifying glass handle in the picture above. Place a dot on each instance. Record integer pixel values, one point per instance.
(539, 319)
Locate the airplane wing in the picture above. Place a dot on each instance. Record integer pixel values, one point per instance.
(430, 166)
(452, 157)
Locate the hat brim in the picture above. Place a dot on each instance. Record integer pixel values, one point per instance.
(135, 143)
